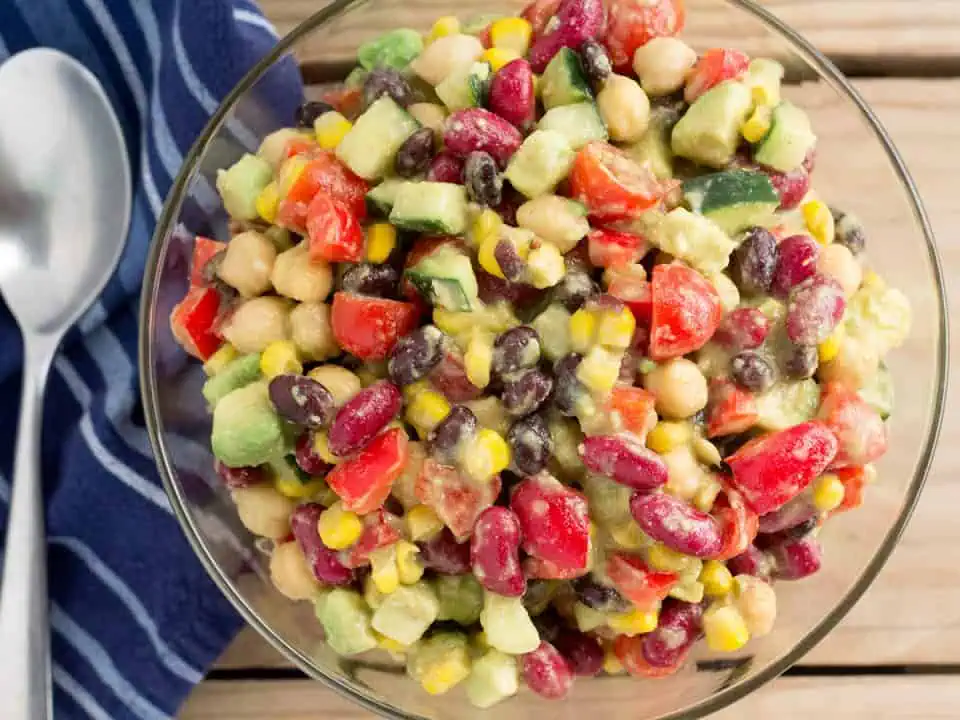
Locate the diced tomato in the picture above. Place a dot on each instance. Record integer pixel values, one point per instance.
(536, 568)
(323, 171)
(333, 233)
(635, 407)
(611, 248)
(363, 482)
(380, 529)
(369, 327)
(714, 67)
(457, 499)
(854, 481)
(731, 409)
(203, 250)
(611, 184)
(345, 100)
(554, 521)
(538, 14)
(686, 311)
(637, 582)
(632, 288)
(632, 23)
(450, 377)
(629, 651)
(773, 469)
(860, 430)
(739, 524)
(193, 322)
(300, 145)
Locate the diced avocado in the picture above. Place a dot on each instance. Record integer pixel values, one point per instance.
(285, 468)
(579, 124)
(431, 207)
(552, 325)
(787, 404)
(879, 392)
(564, 82)
(587, 618)
(507, 624)
(541, 163)
(460, 597)
(763, 78)
(692, 238)
(371, 145)
(241, 184)
(735, 200)
(607, 499)
(440, 662)
(709, 132)
(394, 49)
(237, 374)
(465, 87)
(653, 149)
(380, 198)
(346, 622)
(495, 677)
(878, 315)
(567, 436)
(406, 613)
(246, 428)
(790, 139)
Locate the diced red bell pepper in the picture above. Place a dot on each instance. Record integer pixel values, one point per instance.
(686, 311)
(637, 582)
(731, 409)
(854, 481)
(380, 529)
(333, 233)
(193, 322)
(348, 101)
(363, 482)
(323, 172)
(739, 524)
(635, 407)
(632, 23)
(203, 250)
(631, 286)
(714, 67)
(450, 377)
(554, 520)
(611, 184)
(860, 430)
(369, 327)
(301, 144)
(456, 498)
(536, 568)
(612, 248)
(629, 651)
(538, 14)
(773, 469)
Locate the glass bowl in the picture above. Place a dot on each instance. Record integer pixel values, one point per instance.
(858, 170)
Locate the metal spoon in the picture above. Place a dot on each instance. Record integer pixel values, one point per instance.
(64, 210)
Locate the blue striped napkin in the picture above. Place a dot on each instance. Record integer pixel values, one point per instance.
(135, 619)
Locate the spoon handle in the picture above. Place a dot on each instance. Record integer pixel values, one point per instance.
(24, 629)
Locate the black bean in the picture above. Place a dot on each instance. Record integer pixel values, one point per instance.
(386, 81)
(548, 624)
(459, 425)
(600, 597)
(800, 362)
(574, 290)
(525, 391)
(531, 444)
(310, 111)
(596, 62)
(751, 371)
(849, 231)
(301, 400)
(509, 260)
(482, 179)
(516, 349)
(567, 387)
(415, 355)
(414, 156)
(368, 279)
(755, 262)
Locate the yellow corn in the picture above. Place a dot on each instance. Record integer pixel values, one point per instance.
(599, 371)
(422, 522)
(545, 266)
(444, 675)
(389, 644)
(381, 241)
(725, 628)
(330, 129)
(819, 221)
(427, 410)
(383, 569)
(756, 127)
(667, 436)
(706, 494)
(629, 536)
(485, 455)
(289, 173)
(716, 578)
(478, 358)
(289, 485)
(413, 389)
(828, 493)
(321, 446)
(495, 319)
(660, 557)
(339, 528)
(220, 359)
(611, 663)
(498, 57)
(706, 451)
(486, 256)
(765, 95)
(583, 330)
(634, 622)
(447, 25)
(830, 348)
(280, 358)
(486, 225)
(268, 201)
(512, 33)
(373, 596)
(616, 329)
(409, 567)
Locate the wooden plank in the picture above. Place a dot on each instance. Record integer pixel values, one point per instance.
(888, 31)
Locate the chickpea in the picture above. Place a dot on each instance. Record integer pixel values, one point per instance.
(679, 387)
(257, 323)
(684, 474)
(554, 219)
(311, 332)
(838, 262)
(444, 54)
(297, 276)
(340, 382)
(625, 108)
(429, 115)
(855, 364)
(291, 574)
(662, 65)
(247, 263)
(273, 148)
(263, 511)
(757, 603)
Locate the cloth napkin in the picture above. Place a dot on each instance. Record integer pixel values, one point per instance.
(135, 620)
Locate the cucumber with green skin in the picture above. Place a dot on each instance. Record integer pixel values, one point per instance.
(564, 81)
(789, 140)
(380, 198)
(735, 200)
(543, 160)
(653, 149)
(579, 124)
(787, 404)
(370, 148)
(465, 87)
(445, 278)
(430, 207)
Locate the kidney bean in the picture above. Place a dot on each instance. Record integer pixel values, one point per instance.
(755, 262)
(415, 355)
(546, 672)
(476, 129)
(554, 522)
(363, 417)
(743, 329)
(509, 260)
(581, 651)
(301, 400)
(676, 524)
(798, 531)
(482, 179)
(577, 21)
(241, 477)
(596, 62)
(308, 112)
(495, 552)
(446, 438)
(575, 289)
(512, 95)
(323, 561)
(814, 310)
(525, 391)
(387, 81)
(443, 554)
(800, 362)
(794, 513)
(530, 444)
(623, 459)
(414, 155)
(792, 186)
(796, 261)
(600, 597)
(752, 561)
(368, 279)
(307, 458)
(750, 370)
(849, 232)
(679, 628)
(796, 558)
(446, 168)
(567, 386)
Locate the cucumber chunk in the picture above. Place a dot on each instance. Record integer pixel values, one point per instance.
(544, 159)
(406, 613)
(430, 207)
(734, 200)
(763, 78)
(692, 238)
(564, 81)
(241, 184)
(346, 622)
(653, 149)
(460, 597)
(787, 404)
(237, 374)
(507, 624)
(446, 278)
(380, 198)
(709, 132)
(790, 139)
(371, 145)
(246, 429)
(579, 124)
(879, 392)
(465, 87)
(495, 677)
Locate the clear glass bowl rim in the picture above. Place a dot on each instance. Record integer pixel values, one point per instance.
(828, 72)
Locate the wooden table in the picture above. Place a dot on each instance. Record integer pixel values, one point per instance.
(896, 654)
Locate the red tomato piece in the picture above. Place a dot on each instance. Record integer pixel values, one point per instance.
(731, 409)
(611, 184)
(637, 582)
(347, 101)
(714, 67)
(456, 499)
(554, 520)
(369, 327)
(686, 311)
(333, 233)
(773, 469)
(739, 523)
(635, 407)
(611, 248)
(322, 172)
(193, 322)
(860, 430)
(629, 651)
(363, 482)
(632, 23)
(203, 250)
(854, 481)
(300, 145)
(538, 569)
(380, 529)
(538, 14)
(632, 288)
(450, 377)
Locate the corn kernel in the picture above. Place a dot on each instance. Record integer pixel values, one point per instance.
(280, 358)
(756, 127)
(629, 536)
(660, 557)
(819, 221)
(443, 676)
(321, 446)
(486, 256)
(339, 528)
(667, 436)
(381, 241)
(828, 492)
(634, 622)
(725, 628)
(389, 644)
(478, 358)
(289, 173)
(716, 578)
(498, 57)
(409, 567)
(706, 451)
(830, 348)
(485, 455)
(485, 225)
(383, 569)
(545, 266)
(422, 522)
(583, 329)
(292, 487)
(413, 389)
(268, 201)
(220, 359)
(512, 33)
(611, 663)
(427, 410)
(616, 329)
(373, 597)
(447, 25)
(599, 371)
(330, 129)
